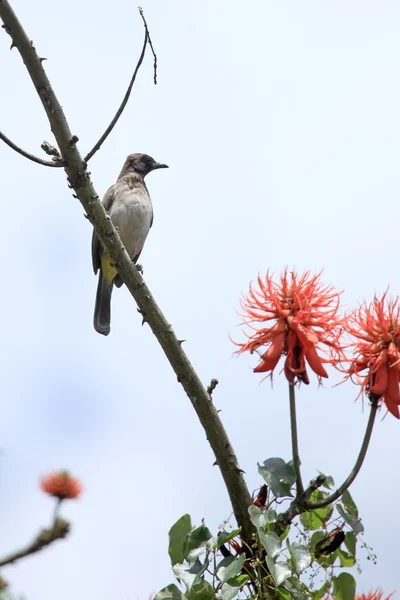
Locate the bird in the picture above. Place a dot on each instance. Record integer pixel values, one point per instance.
(129, 205)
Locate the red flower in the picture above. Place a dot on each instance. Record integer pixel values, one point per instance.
(305, 314)
(61, 485)
(377, 595)
(377, 350)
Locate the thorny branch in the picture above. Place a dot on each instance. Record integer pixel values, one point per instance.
(58, 531)
(147, 40)
(79, 179)
(40, 161)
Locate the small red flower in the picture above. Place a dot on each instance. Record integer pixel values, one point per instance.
(376, 327)
(305, 314)
(61, 485)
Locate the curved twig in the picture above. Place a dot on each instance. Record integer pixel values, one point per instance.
(124, 102)
(39, 161)
(358, 464)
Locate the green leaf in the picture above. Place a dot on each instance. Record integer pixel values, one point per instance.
(171, 592)
(329, 484)
(196, 543)
(314, 519)
(232, 587)
(346, 560)
(271, 542)
(283, 594)
(225, 536)
(349, 504)
(297, 589)
(280, 570)
(190, 574)
(355, 523)
(350, 541)
(261, 518)
(278, 475)
(270, 515)
(201, 591)
(230, 568)
(344, 587)
(257, 516)
(318, 594)
(301, 556)
(284, 533)
(177, 535)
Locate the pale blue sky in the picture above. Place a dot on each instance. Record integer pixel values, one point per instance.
(280, 123)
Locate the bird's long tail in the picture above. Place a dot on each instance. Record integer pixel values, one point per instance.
(102, 309)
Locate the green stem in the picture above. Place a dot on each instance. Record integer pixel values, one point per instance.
(358, 464)
(295, 443)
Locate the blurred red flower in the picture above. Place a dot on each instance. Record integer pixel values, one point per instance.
(377, 595)
(376, 327)
(61, 485)
(305, 314)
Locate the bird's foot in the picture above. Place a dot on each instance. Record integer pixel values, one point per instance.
(139, 268)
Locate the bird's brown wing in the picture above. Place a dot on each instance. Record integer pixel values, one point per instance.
(96, 244)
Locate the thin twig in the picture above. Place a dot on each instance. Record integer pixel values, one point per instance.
(358, 464)
(150, 44)
(124, 102)
(295, 442)
(39, 161)
(79, 180)
(45, 538)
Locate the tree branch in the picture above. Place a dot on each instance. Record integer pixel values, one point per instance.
(58, 531)
(39, 161)
(297, 506)
(124, 102)
(79, 180)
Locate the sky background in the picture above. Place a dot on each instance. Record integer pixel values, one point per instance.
(280, 123)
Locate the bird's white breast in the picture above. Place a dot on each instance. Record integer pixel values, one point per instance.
(131, 212)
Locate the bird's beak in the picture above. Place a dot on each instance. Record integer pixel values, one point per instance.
(160, 166)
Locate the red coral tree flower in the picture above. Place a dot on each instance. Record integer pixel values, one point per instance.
(61, 485)
(376, 327)
(377, 595)
(306, 315)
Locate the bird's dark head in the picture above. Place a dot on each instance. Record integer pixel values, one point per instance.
(141, 164)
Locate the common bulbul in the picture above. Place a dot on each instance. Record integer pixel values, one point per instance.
(129, 205)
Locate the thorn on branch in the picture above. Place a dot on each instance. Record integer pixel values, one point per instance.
(212, 386)
(73, 140)
(42, 58)
(180, 342)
